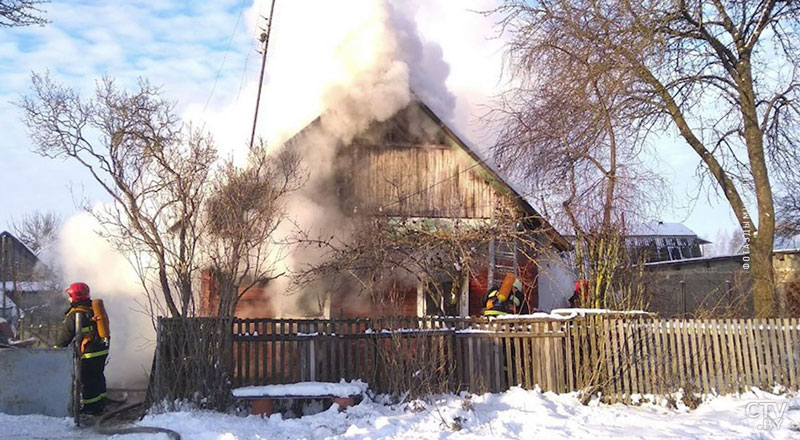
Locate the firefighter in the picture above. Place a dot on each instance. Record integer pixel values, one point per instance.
(505, 300)
(93, 347)
(580, 294)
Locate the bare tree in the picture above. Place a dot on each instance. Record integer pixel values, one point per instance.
(38, 230)
(568, 136)
(15, 13)
(702, 69)
(383, 253)
(244, 209)
(788, 211)
(154, 169)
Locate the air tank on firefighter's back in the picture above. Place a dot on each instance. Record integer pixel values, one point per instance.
(101, 317)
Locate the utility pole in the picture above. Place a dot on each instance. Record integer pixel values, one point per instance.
(264, 38)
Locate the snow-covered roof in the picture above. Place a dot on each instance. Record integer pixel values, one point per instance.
(24, 286)
(660, 229)
(6, 234)
(786, 243)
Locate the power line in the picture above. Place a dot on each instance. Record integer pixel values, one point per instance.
(247, 58)
(225, 56)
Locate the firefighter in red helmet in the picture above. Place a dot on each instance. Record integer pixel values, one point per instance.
(580, 294)
(93, 347)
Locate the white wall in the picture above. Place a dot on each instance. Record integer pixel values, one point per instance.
(556, 282)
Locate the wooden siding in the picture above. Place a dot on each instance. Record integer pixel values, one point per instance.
(430, 181)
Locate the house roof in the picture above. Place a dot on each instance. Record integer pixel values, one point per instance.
(538, 220)
(558, 240)
(9, 236)
(662, 229)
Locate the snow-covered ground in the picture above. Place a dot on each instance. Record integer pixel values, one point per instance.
(516, 414)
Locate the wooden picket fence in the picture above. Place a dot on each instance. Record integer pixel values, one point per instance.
(45, 333)
(615, 356)
(618, 356)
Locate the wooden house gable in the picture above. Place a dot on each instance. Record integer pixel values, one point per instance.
(410, 166)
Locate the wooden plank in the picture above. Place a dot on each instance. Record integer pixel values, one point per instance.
(239, 354)
(273, 374)
(498, 365)
(569, 368)
(791, 346)
(632, 357)
(509, 359)
(649, 348)
(519, 373)
(586, 347)
(671, 352)
(641, 357)
(615, 376)
(549, 364)
(486, 358)
(741, 354)
(678, 351)
(591, 344)
(688, 359)
(528, 379)
(721, 384)
(577, 341)
(659, 369)
(694, 354)
(624, 363)
(295, 353)
(763, 381)
(558, 356)
(611, 385)
(247, 349)
(471, 364)
(783, 357)
(752, 343)
(733, 375)
(747, 376)
(635, 326)
(766, 335)
(460, 364)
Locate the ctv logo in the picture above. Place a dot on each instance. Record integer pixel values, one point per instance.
(770, 413)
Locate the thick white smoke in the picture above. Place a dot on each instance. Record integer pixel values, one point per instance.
(353, 62)
(349, 63)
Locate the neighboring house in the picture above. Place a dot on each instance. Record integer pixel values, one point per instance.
(9, 310)
(415, 166)
(25, 280)
(717, 286)
(661, 241)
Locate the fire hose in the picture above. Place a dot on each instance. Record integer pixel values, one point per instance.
(111, 430)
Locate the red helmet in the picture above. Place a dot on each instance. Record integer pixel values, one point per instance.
(77, 291)
(582, 288)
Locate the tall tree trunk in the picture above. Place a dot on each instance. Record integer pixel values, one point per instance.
(762, 240)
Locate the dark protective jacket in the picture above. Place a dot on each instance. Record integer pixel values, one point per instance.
(91, 344)
(494, 305)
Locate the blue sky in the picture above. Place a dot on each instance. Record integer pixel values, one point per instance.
(183, 46)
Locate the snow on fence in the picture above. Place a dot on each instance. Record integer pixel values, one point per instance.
(620, 356)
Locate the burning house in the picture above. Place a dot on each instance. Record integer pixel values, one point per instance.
(404, 218)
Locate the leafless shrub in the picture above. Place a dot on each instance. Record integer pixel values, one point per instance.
(154, 169)
(244, 209)
(438, 253)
